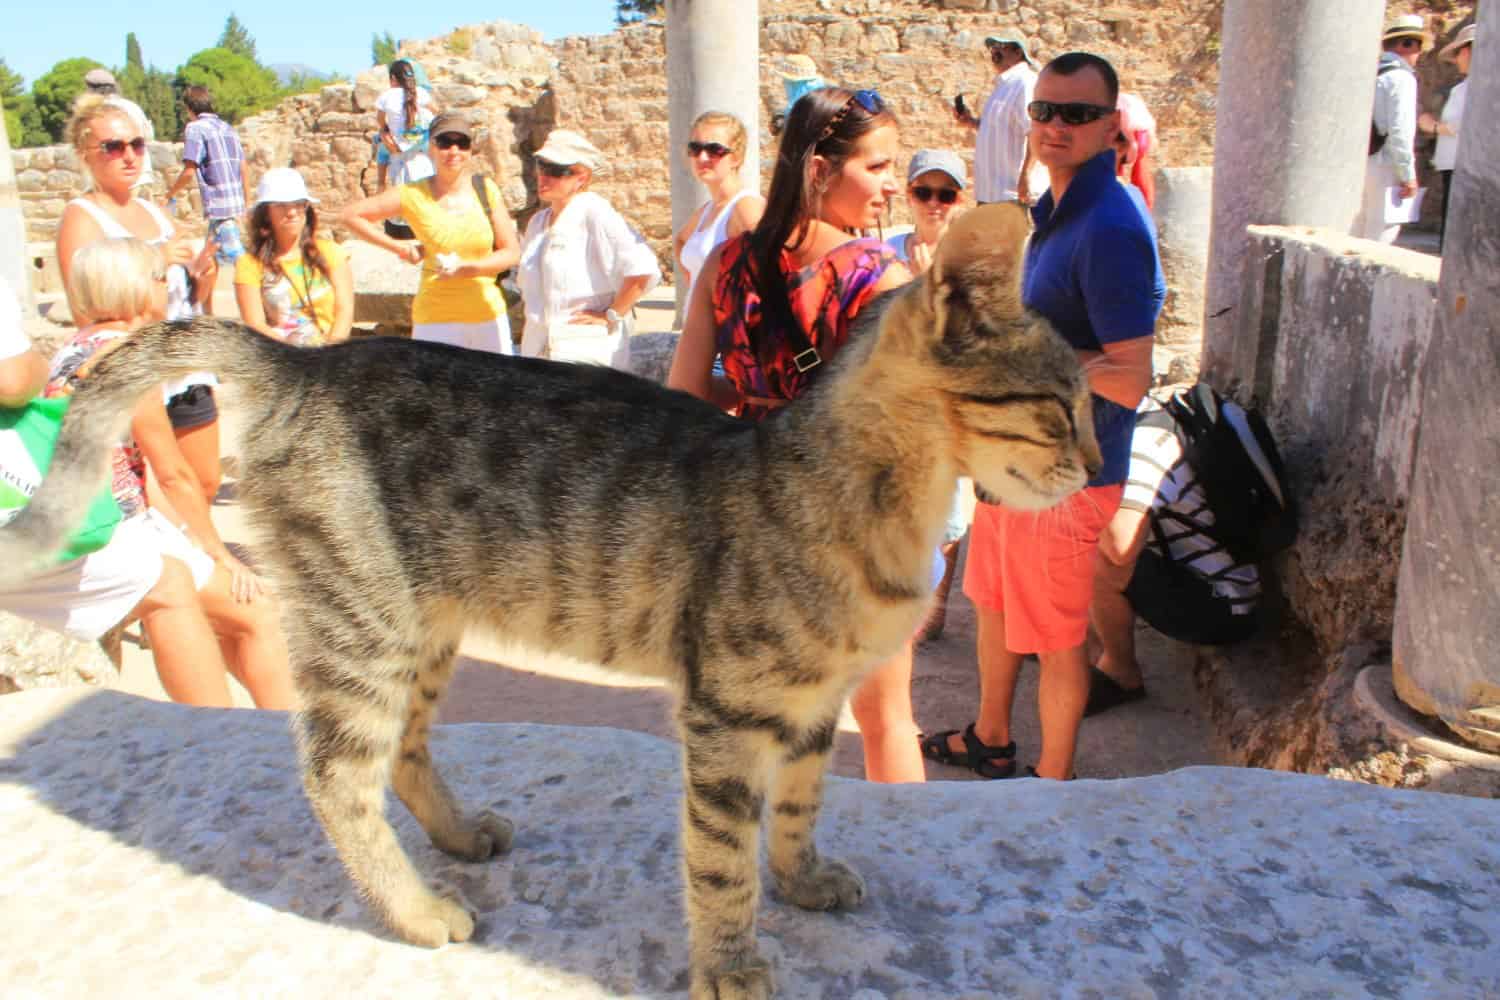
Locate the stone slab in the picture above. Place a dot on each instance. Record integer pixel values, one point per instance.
(153, 846)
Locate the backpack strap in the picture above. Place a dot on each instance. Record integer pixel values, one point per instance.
(484, 203)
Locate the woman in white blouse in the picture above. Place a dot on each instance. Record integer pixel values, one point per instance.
(583, 268)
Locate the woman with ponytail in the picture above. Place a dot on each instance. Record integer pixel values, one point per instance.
(404, 113)
(778, 302)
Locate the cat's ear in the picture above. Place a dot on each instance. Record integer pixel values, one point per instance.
(978, 264)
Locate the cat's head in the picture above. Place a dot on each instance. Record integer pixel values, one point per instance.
(1015, 394)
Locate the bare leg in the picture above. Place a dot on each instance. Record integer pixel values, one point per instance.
(882, 707)
(200, 446)
(182, 642)
(423, 790)
(254, 645)
(999, 670)
(1061, 697)
(1113, 620)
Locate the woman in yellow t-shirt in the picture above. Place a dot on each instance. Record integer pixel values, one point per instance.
(292, 285)
(460, 247)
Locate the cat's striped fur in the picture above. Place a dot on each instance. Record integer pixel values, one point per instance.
(413, 490)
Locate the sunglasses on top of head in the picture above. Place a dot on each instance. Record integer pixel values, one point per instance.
(550, 169)
(944, 195)
(116, 147)
(450, 139)
(1072, 113)
(870, 100)
(715, 150)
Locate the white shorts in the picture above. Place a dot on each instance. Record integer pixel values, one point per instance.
(581, 343)
(84, 598)
(493, 336)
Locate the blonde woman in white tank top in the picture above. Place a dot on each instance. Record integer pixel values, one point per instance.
(716, 151)
(110, 146)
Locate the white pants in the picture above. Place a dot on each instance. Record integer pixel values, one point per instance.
(493, 336)
(1370, 223)
(84, 598)
(582, 343)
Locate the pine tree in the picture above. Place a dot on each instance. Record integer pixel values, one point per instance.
(382, 49)
(236, 38)
(133, 53)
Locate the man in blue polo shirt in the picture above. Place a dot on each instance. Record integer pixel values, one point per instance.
(1092, 269)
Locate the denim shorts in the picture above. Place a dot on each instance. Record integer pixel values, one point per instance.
(228, 245)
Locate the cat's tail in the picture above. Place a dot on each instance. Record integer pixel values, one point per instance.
(99, 416)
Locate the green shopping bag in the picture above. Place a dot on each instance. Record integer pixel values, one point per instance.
(27, 437)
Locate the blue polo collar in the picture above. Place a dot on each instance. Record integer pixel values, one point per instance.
(1091, 180)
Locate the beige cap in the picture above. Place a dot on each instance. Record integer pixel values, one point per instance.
(1465, 37)
(566, 147)
(797, 66)
(1405, 26)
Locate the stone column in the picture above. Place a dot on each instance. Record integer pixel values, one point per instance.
(1447, 629)
(14, 264)
(713, 64)
(1296, 85)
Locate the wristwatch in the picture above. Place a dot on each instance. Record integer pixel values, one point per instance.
(613, 318)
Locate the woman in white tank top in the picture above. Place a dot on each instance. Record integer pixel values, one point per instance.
(110, 145)
(715, 152)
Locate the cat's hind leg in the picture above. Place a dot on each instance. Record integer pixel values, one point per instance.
(801, 875)
(423, 790)
(349, 733)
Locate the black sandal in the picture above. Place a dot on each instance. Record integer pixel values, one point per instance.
(977, 755)
(1106, 693)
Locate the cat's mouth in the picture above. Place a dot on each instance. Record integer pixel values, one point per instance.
(1019, 492)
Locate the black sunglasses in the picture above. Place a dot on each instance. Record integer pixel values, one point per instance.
(116, 147)
(554, 169)
(1409, 43)
(945, 195)
(715, 150)
(450, 139)
(870, 100)
(1072, 113)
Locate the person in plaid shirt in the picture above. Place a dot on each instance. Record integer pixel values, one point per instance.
(211, 151)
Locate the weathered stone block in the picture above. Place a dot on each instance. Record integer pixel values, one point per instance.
(336, 97)
(63, 180)
(457, 95)
(882, 38)
(31, 180)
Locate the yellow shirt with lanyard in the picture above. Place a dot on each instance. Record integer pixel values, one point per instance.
(299, 300)
(465, 231)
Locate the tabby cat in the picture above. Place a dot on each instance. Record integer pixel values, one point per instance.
(412, 490)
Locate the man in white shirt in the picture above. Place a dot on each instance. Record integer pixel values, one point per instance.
(1394, 121)
(1004, 169)
(102, 81)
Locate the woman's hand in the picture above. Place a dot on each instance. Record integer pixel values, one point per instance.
(409, 251)
(921, 256)
(589, 317)
(244, 583)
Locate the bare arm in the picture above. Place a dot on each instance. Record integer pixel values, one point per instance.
(189, 171)
(252, 309)
(746, 216)
(21, 378)
(693, 361)
(1122, 372)
(507, 249)
(360, 218)
(153, 434)
(343, 301)
(78, 229)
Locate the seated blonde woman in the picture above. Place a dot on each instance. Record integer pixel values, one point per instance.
(116, 286)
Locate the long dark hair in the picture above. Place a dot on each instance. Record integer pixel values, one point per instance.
(406, 79)
(829, 123)
(263, 243)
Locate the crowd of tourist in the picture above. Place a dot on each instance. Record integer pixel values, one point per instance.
(775, 286)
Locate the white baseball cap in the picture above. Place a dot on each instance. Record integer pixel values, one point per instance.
(281, 185)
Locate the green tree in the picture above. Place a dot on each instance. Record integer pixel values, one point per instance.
(133, 53)
(240, 86)
(307, 83)
(55, 91)
(150, 88)
(382, 49)
(632, 11)
(236, 38)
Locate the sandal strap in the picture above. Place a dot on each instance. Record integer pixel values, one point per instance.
(980, 750)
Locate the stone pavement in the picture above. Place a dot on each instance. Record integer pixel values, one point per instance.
(166, 851)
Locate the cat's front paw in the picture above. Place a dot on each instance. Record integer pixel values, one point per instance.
(435, 920)
(823, 885)
(480, 839)
(745, 978)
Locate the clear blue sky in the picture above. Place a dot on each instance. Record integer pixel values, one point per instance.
(332, 37)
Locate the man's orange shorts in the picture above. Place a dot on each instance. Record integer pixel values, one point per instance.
(1037, 567)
